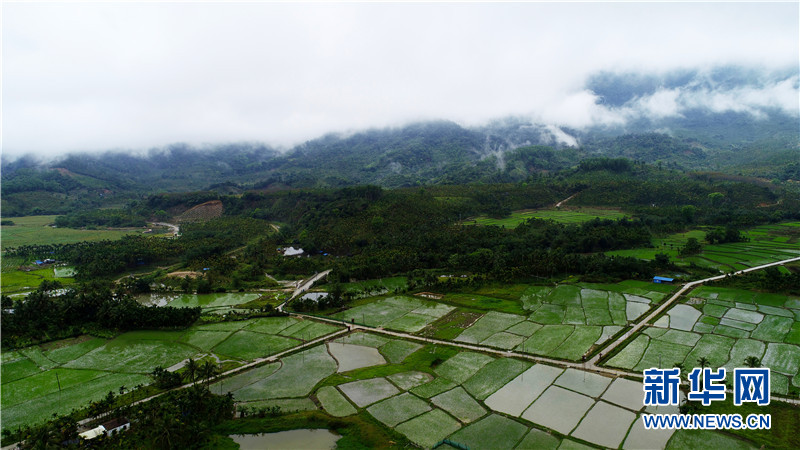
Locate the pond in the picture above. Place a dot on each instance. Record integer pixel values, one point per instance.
(191, 300)
(306, 439)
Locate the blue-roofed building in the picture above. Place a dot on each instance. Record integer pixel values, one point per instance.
(663, 280)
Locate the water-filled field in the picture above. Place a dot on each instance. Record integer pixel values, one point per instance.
(205, 301)
(88, 368)
(565, 321)
(400, 313)
(725, 326)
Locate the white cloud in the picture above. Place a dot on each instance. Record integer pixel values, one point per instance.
(91, 76)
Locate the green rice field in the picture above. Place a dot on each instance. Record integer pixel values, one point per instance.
(564, 215)
(767, 243)
(33, 230)
(725, 326)
(87, 368)
(565, 321)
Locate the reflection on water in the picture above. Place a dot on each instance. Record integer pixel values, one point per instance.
(217, 300)
(294, 439)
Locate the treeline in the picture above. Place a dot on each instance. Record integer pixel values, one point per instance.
(46, 314)
(770, 279)
(178, 419)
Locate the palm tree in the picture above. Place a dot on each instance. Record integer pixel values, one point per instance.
(703, 361)
(752, 361)
(191, 370)
(679, 366)
(208, 371)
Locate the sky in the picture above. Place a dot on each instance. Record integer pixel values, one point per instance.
(100, 76)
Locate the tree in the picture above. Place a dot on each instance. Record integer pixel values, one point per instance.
(688, 213)
(191, 370)
(208, 371)
(752, 361)
(703, 361)
(692, 247)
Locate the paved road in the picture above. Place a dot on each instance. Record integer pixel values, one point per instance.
(175, 229)
(304, 286)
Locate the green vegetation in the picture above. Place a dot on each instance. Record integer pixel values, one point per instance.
(36, 230)
(566, 215)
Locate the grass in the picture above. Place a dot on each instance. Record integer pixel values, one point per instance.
(483, 302)
(13, 280)
(451, 325)
(33, 230)
(389, 284)
(571, 215)
(286, 405)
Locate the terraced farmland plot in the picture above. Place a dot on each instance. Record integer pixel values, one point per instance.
(246, 345)
(334, 403)
(429, 428)
(517, 395)
(493, 431)
(398, 409)
(491, 323)
(133, 356)
(728, 326)
(350, 357)
(459, 404)
(462, 366)
(397, 313)
(236, 382)
(39, 409)
(397, 351)
(567, 321)
(206, 301)
(297, 376)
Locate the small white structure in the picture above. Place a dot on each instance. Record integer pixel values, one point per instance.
(113, 426)
(291, 251)
(93, 433)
